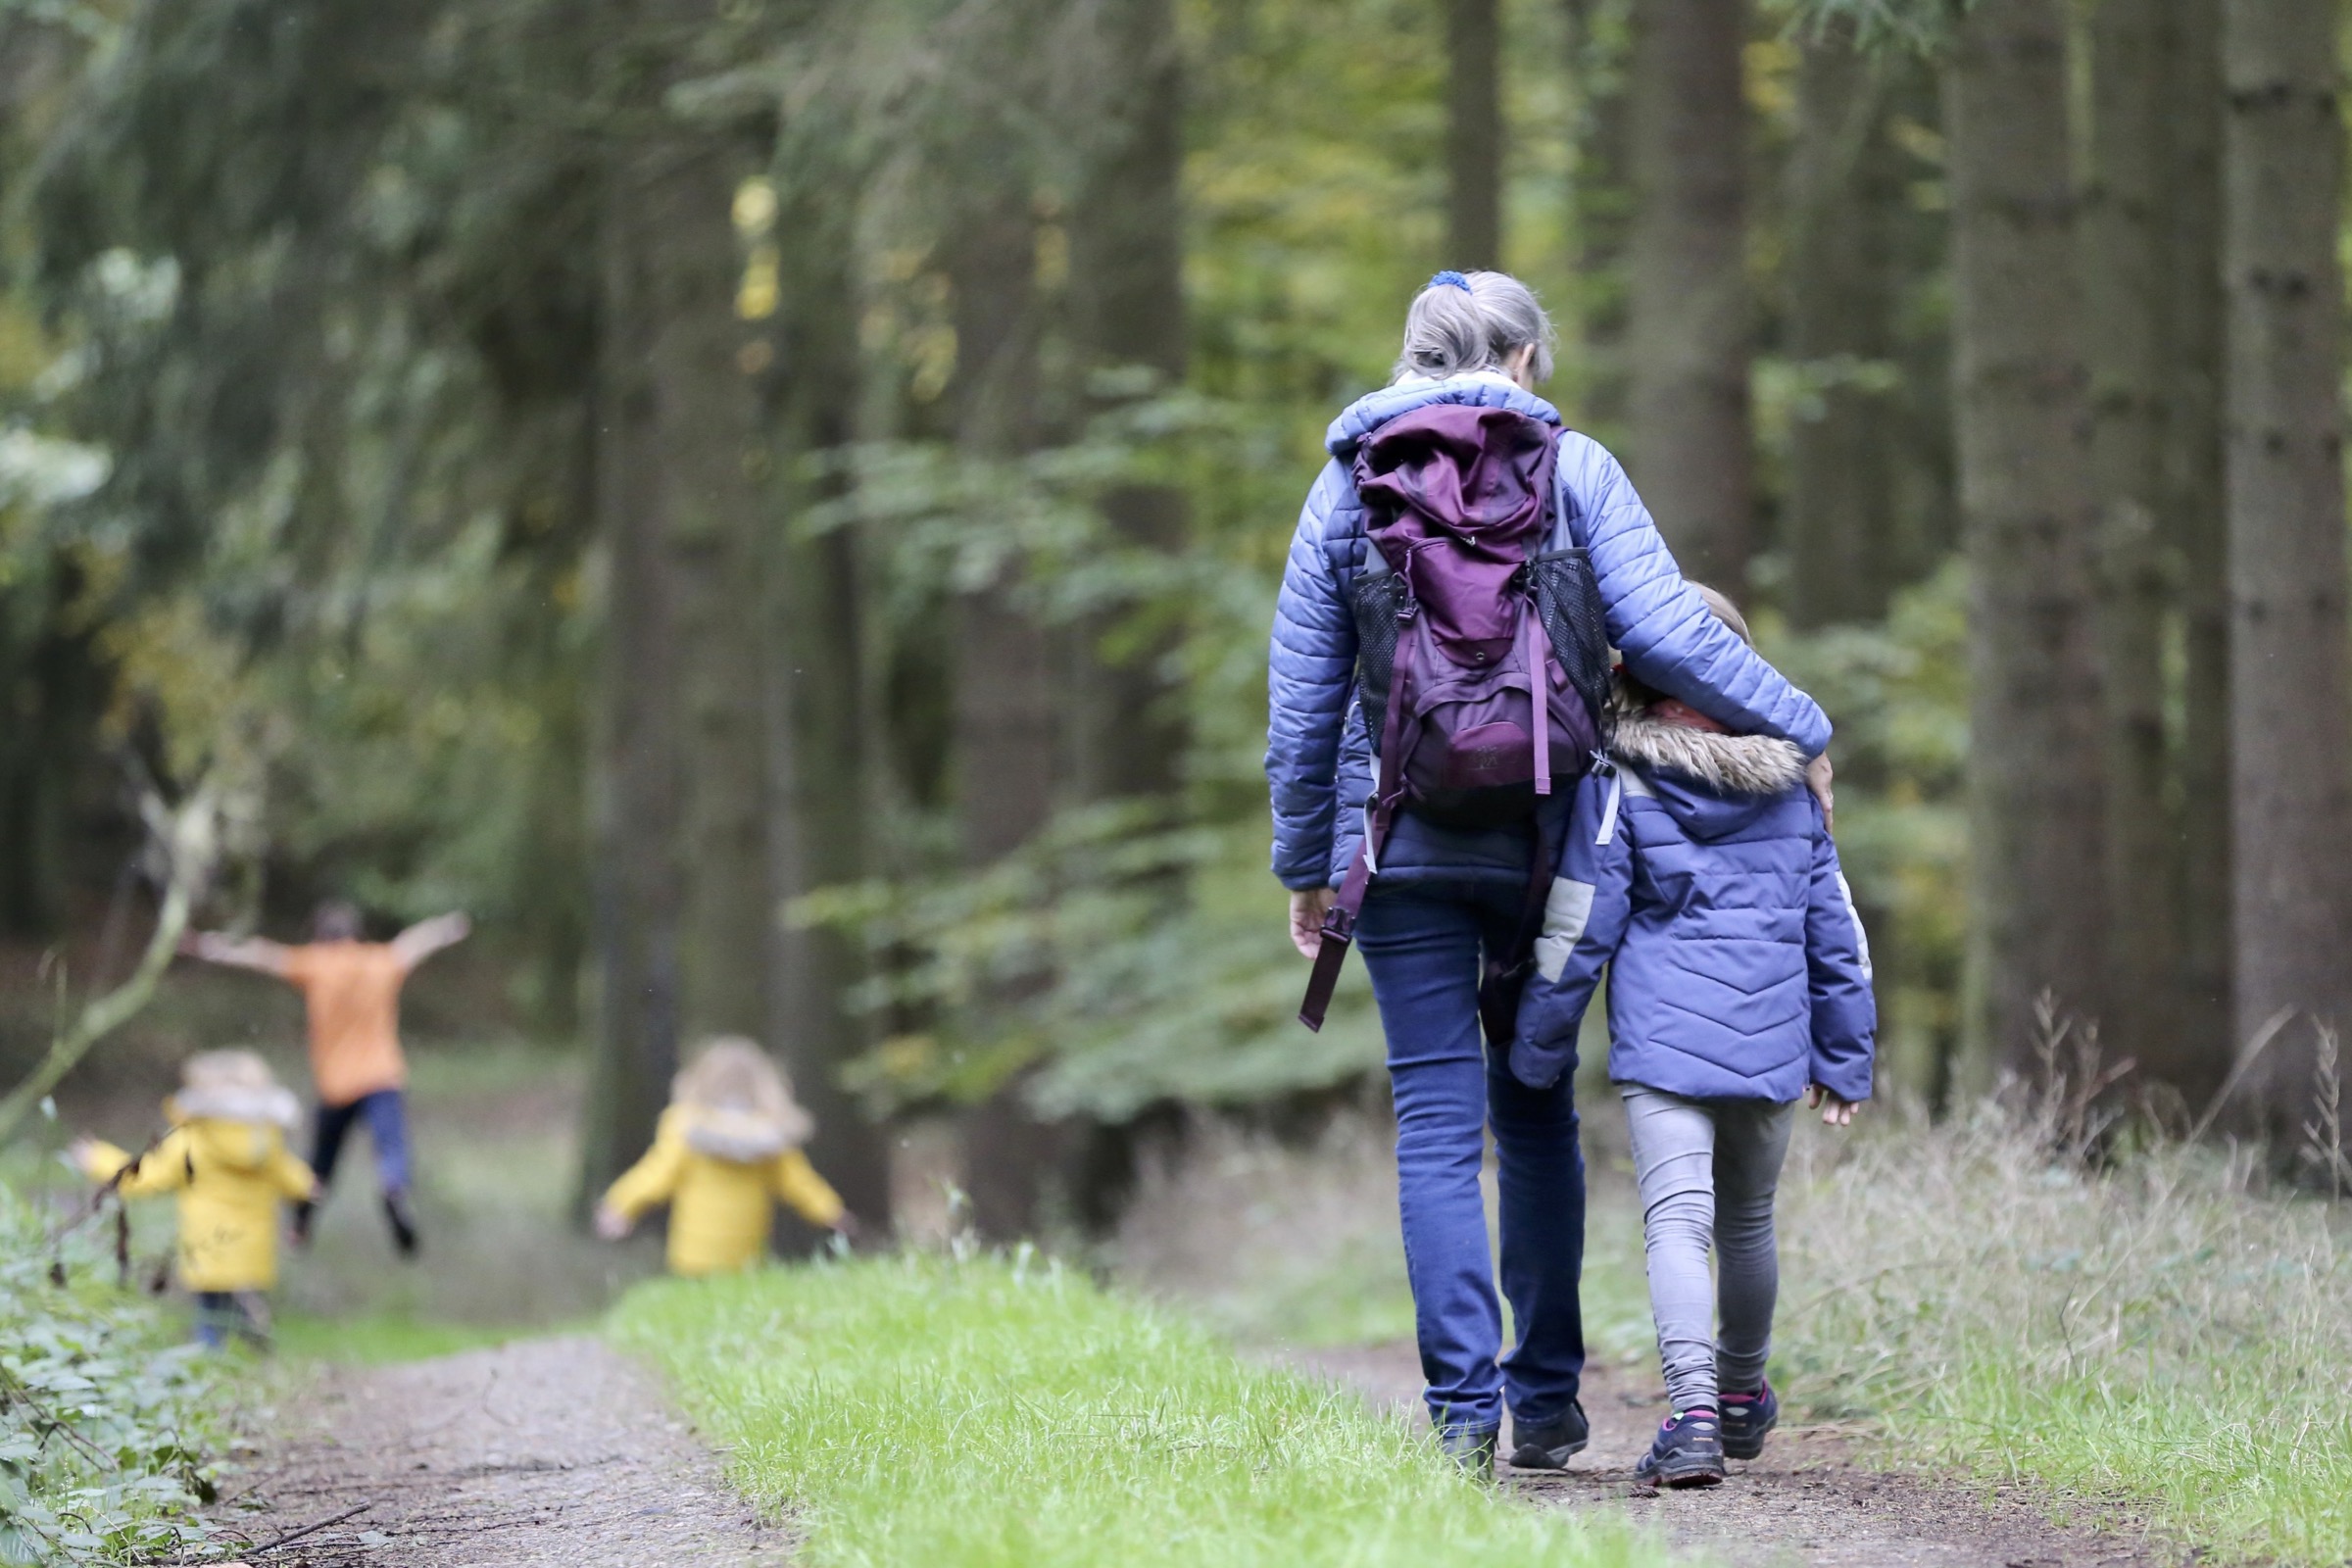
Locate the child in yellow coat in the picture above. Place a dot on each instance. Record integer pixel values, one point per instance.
(227, 1158)
(728, 1146)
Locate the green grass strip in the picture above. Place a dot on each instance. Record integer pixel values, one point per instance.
(960, 1414)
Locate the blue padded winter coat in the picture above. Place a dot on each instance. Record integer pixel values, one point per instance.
(1699, 872)
(1318, 754)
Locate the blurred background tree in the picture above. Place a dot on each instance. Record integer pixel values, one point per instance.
(775, 506)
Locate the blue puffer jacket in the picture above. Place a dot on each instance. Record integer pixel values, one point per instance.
(1318, 755)
(1699, 872)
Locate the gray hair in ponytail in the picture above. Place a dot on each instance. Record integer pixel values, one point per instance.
(1465, 321)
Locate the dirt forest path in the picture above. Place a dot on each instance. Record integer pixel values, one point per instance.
(1807, 1500)
(546, 1453)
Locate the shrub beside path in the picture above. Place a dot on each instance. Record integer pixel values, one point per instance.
(545, 1453)
(1807, 1500)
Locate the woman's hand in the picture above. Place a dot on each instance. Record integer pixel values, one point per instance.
(1834, 1113)
(1820, 778)
(1307, 909)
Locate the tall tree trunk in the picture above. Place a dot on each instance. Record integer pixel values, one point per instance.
(1600, 208)
(1473, 134)
(711, 451)
(1005, 733)
(1690, 329)
(2036, 799)
(1127, 313)
(2194, 513)
(1846, 555)
(637, 890)
(821, 799)
(2128, 268)
(2291, 788)
(1127, 298)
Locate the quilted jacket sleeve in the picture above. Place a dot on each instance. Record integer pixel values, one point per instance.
(1845, 1014)
(1670, 639)
(655, 1178)
(1584, 917)
(1309, 672)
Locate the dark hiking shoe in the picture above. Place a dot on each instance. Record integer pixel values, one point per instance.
(306, 1214)
(1549, 1447)
(1746, 1417)
(1471, 1447)
(403, 1220)
(1687, 1453)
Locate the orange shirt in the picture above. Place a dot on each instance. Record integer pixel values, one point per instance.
(352, 990)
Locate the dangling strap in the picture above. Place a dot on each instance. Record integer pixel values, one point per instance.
(1338, 925)
(1505, 974)
(1536, 654)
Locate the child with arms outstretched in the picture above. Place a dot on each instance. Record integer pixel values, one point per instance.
(227, 1158)
(725, 1151)
(1699, 872)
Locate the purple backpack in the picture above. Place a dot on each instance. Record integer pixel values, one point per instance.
(1481, 659)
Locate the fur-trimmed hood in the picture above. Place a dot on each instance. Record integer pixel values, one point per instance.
(260, 1104)
(1726, 764)
(1714, 785)
(745, 1136)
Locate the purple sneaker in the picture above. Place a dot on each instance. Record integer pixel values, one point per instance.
(1687, 1453)
(1746, 1417)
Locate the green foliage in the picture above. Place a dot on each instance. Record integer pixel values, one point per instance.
(1899, 691)
(2163, 1332)
(1156, 963)
(1925, 26)
(107, 1428)
(994, 1411)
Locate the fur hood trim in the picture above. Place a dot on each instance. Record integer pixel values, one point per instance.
(745, 1136)
(253, 1104)
(1728, 765)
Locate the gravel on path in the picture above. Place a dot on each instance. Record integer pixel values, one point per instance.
(1812, 1499)
(535, 1454)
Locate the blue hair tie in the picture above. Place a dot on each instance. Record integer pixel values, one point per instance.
(1452, 276)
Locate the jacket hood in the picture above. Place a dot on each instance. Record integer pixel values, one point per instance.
(1487, 389)
(238, 1145)
(1713, 785)
(267, 1104)
(745, 1136)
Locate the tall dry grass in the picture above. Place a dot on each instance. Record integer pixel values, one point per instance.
(2168, 1329)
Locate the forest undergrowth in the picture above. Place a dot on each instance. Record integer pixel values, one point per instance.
(2166, 1330)
(110, 1432)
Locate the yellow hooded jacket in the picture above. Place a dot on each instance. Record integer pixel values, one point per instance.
(720, 1208)
(229, 1176)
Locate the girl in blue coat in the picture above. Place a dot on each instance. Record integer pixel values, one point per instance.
(1700, 873)
(1445, 899)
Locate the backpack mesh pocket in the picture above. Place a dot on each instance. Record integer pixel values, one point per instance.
(1379, 608)
(1568, 602)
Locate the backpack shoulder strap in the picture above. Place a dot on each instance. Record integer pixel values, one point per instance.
(1567, 511)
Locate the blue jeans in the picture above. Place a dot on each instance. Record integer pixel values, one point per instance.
(1422, 942)
(386, 1113)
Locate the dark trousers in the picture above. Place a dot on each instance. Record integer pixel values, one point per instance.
(1422, 943)
(221, 1313)
(386, 1115)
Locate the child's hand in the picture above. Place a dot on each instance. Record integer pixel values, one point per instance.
(1834, 1113)
(611, 1224)
(80, 1150)
(846, 1226)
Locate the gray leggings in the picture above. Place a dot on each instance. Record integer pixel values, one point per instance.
(1708, 1170)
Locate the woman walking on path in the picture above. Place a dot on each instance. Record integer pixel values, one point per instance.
(1445, 899)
